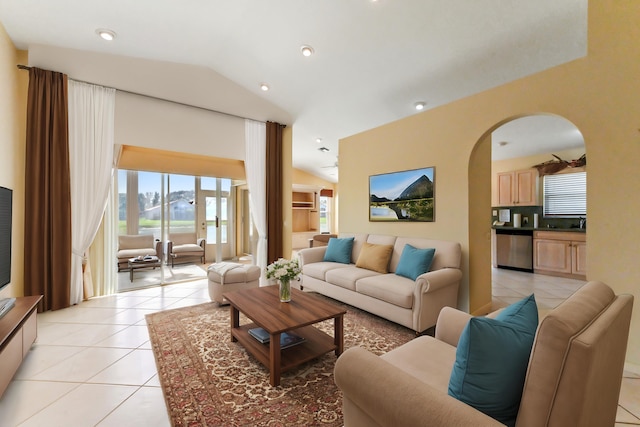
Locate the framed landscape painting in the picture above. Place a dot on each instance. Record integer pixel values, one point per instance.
(407, 196)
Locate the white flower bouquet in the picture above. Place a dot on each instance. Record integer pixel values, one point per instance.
(284, 270)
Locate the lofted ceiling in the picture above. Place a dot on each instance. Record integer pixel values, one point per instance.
(372, 61)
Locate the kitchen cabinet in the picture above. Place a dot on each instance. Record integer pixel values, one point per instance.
(518, 188)
(558, 253)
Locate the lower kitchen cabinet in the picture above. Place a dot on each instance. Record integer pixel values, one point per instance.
(560, 253)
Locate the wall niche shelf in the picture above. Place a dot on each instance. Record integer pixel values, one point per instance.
(304, 202)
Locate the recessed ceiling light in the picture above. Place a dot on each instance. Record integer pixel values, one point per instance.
(104, 34)
(306, 50)
(318, 140)
(420, 105)
(264, 87)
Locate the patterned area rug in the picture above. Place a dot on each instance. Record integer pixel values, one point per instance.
(208, 380)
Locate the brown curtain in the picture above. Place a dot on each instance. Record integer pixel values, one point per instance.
(47, 241)
(274, 192)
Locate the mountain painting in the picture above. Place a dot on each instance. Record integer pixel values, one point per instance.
(407, 196)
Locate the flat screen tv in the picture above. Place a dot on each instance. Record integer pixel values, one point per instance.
(6, 196)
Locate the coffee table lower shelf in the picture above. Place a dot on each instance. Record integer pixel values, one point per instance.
(316, 344)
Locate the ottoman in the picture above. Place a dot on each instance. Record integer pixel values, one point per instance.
(230, 276)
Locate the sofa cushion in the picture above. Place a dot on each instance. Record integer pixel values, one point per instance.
(135, 241)
(188, 248)
(132, 253)
(396, 290)
(434, 370)
(318, 270)
(348, 276)
(375, 257)
(183, 238)
(448, 254)
(339, 250)
(492, 358)
(414, 262)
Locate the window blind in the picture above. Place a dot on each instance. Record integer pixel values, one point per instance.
(565, 195)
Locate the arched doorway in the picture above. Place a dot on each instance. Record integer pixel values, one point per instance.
(518, 142)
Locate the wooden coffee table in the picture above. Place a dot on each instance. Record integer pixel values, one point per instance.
(262, 305)
(135, 263)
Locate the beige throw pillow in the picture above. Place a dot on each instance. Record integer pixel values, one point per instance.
(375, 257)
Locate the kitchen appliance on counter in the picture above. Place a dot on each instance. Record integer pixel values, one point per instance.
(514, 249)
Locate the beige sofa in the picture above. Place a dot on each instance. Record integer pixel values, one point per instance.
(573, 377)
(412, 303)
(131, 246)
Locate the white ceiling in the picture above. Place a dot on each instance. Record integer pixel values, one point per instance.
(373, 59)
(532, 135)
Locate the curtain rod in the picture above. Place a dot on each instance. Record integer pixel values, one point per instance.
(25, 67)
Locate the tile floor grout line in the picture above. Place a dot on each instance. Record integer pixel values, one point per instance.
(118, 406)
(155, 300)
(78, 385)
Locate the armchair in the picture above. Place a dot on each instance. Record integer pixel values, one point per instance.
(320, 240)
(573, 377)
(185, 246)
(131, 246)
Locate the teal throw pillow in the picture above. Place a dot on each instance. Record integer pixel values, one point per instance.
(523, 313)
(414, 262)
(339, 250)
(492, 359)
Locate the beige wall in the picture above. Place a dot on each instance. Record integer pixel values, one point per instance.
(598, 93)
(13, 87)
(287, 182)
(303, 178)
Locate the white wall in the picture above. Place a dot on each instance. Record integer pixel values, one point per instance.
(150, 123)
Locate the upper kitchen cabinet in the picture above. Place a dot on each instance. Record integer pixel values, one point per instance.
(518, 188)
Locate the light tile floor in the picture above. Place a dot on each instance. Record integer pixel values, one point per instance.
(92, 364)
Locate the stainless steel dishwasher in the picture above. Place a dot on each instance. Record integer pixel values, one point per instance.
(514, 249)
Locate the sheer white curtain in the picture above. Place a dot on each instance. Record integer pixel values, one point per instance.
(256, 170)
(91, 128)
(110, 226)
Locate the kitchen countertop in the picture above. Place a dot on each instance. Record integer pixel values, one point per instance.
(506, 227)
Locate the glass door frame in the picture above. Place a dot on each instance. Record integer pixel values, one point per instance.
(222, 250)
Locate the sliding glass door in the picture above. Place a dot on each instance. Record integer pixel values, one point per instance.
(163, 204)
(216, 214)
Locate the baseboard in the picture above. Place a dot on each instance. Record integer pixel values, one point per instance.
(485, 309)
(632, 367)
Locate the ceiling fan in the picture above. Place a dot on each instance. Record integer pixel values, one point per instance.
(334, 165)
